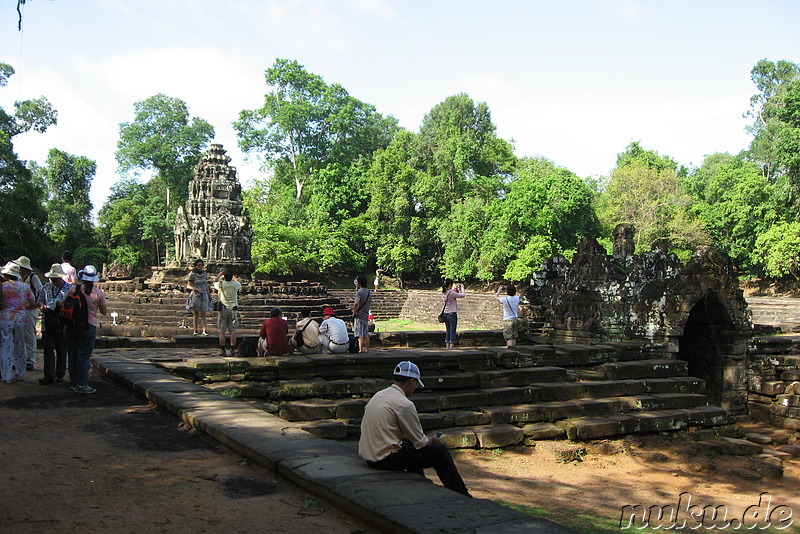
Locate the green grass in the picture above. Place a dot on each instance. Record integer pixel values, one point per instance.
(407, 325)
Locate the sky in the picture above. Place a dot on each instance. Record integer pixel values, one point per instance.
(574, 81)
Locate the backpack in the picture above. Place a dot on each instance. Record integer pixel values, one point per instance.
(75, 310)
(247, 349)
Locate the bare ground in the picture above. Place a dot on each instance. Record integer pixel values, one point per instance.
(109, 462)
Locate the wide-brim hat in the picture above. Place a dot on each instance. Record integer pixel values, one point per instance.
(24, 262)
(11, 269)
(88, 274)
(56, 271)
(409, 370)
(328, 311)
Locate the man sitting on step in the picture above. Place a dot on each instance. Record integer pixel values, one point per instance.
(333, 334)
(392, 437)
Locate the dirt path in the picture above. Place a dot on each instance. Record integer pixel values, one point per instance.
(109, 463)
(588, 494)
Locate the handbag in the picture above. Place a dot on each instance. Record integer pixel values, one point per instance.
(216, 305)
(441, 318)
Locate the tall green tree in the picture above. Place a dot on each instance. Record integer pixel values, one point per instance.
(22, 213)
(736, 202)
(68, 180)
(163, 137)
(646, 190)
(306, 124)
(317, 142)
(131, 224)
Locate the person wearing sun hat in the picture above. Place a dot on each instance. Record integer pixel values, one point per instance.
(32, 280)
(391, 434)
(333, 334)
(54, 345)
(80, 339)
(15, 299)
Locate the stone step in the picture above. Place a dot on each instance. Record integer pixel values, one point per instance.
(651, 368)
(467, 430)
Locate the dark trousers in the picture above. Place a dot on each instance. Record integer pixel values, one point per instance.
(55, 354)
(415, 460)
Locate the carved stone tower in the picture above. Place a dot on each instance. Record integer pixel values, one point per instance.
(212, 225)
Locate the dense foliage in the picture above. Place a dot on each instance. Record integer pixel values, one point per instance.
(346, 190)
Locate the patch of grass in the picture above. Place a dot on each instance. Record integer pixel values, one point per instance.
(579, 522)
(406, 325)
(534, 511)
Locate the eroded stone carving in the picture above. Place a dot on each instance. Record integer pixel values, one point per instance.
(212, 225)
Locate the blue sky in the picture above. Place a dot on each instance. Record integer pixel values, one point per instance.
(573, 81)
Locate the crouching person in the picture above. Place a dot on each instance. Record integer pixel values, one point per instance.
(392, 437)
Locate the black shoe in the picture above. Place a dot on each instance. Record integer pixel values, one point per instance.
(29, 367)
(46, 380)
(59, 380)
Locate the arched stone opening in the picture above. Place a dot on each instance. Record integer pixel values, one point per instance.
(706, 344)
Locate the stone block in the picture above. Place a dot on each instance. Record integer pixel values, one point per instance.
(433, 421)
(635, 387)
(539, 431)
(761, 439)
(348, 409)
(600, 407)
(298, 389)
(594, 390)
(494, 436)
(509, 395)
(308, 410)
(459, 438)
(254, 390)
(326, 429)
(772, 388)
(765, 468)
(502, 379)
(532, 413)
(426, 403)
(708, 415)
(469, 399)
(468, 418)
(671, 401)
(792, 450)
(758, 412)
(588, 428)
(452, 381)
(790, 375)
(558, 392)
(229, 389)
(644, 369)
(789, 400)
(739, 447)
(660, 421)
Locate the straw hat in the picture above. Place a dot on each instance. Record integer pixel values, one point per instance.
(23, 262)
(12, 269)
(55, 271)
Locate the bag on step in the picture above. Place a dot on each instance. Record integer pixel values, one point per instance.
(247, 349)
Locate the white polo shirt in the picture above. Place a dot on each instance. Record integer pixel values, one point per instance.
(389, 417)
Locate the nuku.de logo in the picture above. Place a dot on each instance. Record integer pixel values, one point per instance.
(686, 515)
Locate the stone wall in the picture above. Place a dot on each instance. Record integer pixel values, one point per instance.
(476, 310)
(773, 381)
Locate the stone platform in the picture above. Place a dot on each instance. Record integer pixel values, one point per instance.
(395, 502)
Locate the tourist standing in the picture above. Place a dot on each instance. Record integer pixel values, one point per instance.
(15, 299)
(333, 334)
(307, 329)
(274, 334)
(361, 306)
(450, 310)
(392, 438)
(80, 338)
(228, 318)
(32, 280)
(70, 273)
(54, 345)
(510, 304)
(199, 301)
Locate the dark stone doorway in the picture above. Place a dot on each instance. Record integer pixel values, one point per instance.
(707, 333)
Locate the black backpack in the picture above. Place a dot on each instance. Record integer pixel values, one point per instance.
(75, 310)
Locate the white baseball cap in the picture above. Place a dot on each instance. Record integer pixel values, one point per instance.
(409, 370)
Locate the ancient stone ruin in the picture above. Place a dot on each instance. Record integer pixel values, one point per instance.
(694, 312)
(212, 226)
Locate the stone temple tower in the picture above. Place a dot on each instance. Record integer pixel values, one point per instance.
(212, 225)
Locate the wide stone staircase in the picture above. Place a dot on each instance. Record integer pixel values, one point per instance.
(163, 314)
(779, 312)
(483, 397)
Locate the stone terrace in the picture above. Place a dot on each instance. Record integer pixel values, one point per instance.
(478, 397)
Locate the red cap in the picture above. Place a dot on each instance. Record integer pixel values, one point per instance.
(328, 311)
